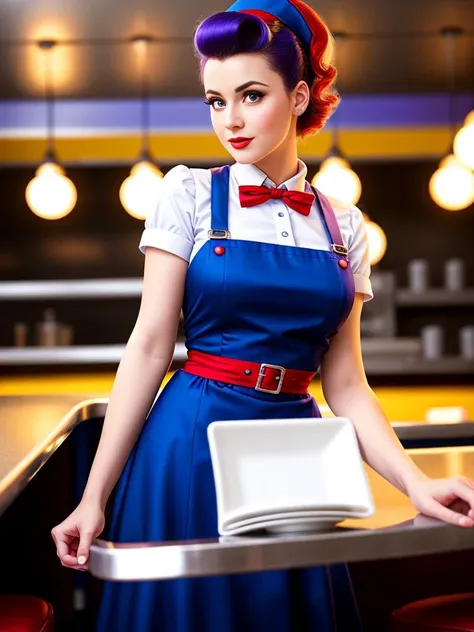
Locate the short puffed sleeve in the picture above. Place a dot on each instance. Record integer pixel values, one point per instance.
(358, 245)
(171, 226)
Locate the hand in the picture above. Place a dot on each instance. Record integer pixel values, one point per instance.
(447, 499)
(73, 537)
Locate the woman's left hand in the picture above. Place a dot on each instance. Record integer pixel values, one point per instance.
(448, 499)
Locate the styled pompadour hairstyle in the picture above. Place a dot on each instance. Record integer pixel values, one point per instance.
(234, 32)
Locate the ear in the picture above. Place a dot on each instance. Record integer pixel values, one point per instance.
(301, 97)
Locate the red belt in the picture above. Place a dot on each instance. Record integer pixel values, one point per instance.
(267, 378)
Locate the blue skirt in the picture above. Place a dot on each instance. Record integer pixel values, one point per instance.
(166, 492)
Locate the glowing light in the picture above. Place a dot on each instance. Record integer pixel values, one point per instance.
(377, 242)
(452, 185)
(336, 179)
(140, 191)
(464, 142)
(50, 194)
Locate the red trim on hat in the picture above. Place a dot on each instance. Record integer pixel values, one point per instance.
(319, 38)
(263, 15)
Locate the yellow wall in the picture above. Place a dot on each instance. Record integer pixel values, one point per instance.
(401, 403)
(173, 148)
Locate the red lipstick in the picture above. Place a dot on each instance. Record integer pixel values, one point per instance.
(240, 142)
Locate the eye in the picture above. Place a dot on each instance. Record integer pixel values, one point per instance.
(216, 104)
(253, 96)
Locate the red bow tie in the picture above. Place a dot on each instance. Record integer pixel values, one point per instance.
(297, 200)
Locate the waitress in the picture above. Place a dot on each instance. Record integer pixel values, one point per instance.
(271, 277)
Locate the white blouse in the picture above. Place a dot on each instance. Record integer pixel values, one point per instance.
(182, 218)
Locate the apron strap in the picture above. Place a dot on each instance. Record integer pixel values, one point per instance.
(220, 203)
(331, 224)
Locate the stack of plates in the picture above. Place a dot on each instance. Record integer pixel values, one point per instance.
(287, 475)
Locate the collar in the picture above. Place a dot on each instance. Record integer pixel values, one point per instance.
(252, 175)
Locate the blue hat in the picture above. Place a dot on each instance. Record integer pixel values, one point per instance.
(282, 10)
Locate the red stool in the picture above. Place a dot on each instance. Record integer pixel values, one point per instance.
(23, 613)
(450, 613)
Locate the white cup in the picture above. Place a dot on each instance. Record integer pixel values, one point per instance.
(418, 275)
(454, 275)
(466, 342)
(432, 342)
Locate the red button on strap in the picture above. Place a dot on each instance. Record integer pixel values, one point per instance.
(219, 250)
(343, 263)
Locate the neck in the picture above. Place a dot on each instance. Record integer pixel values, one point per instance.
(282, 163)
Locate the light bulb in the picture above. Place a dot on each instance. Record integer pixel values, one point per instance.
(50, 194)
(377, 242)
(140, 191)
(336, 179)
(464, 142)
(452, 185)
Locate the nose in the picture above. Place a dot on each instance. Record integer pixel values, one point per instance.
(233, 118)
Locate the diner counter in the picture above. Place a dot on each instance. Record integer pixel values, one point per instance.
(32, 428)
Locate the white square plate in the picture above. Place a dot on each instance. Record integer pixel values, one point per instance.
(289, 525)
(291, 515)
(275, 466)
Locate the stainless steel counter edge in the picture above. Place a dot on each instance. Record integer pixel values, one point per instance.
(419, 430)
(19, 477)
(159, 561)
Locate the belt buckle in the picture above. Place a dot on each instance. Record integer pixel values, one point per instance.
(261, 375)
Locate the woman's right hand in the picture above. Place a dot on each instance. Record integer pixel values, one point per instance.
(73, 537)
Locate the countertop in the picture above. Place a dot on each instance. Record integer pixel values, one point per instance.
(32, 428)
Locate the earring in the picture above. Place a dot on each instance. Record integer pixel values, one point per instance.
(299, 112)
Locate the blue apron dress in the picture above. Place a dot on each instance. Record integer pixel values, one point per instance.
(257, 302)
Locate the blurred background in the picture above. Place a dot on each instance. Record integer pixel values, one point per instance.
(99, 100)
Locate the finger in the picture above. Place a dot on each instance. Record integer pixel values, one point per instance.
(464, 492)
(71, 562)
(436, 510)
(63, 543)
(62, 548)
(84, 546)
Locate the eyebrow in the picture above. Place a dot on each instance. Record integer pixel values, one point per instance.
(241, 88)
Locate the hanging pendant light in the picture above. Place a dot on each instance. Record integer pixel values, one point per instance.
(464, 142)
(377, 240)
(140, 191)
(50, 194)
(452, 185)
(335, 177)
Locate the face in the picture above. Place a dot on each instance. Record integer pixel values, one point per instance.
(249, 105)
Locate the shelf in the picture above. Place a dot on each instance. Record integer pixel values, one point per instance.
(76, 289)
(436, 297)
(92, 354)
(375, 364)
(132, 288)
(396, 365)
(390, 346)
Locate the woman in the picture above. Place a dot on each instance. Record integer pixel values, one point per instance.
(268, 272)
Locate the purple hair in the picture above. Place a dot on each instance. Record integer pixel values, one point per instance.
(233, 32)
